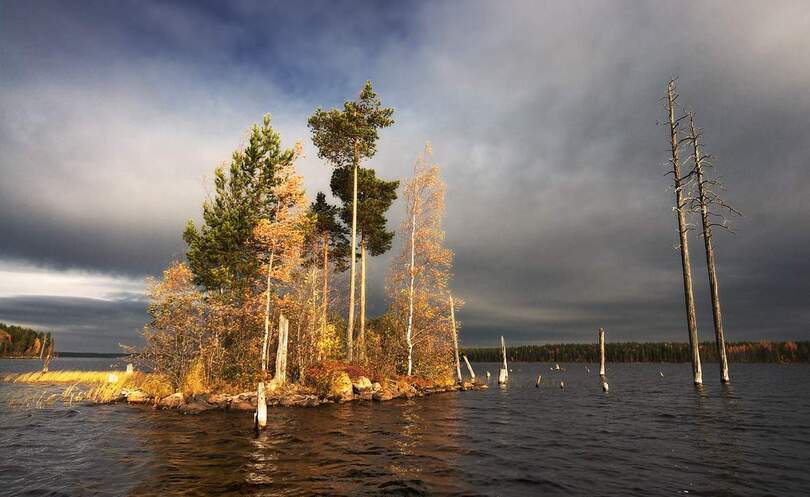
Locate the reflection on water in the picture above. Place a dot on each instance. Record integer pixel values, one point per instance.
(650, 435)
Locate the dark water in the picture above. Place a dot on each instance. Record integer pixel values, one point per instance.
(650, 435)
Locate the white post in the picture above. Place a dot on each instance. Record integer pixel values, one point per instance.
(261, 407)
(503, 374)
(602, 352)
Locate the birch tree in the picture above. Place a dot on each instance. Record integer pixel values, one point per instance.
(420, 275)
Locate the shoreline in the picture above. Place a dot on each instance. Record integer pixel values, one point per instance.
(145, 390)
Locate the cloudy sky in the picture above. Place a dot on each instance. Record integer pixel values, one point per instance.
(543, 116)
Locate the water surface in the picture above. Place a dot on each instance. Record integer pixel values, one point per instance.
(650, 435)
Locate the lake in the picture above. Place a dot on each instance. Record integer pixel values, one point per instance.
(650, 435)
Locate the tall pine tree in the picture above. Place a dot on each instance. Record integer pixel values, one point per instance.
(344, 138)
(374, 198)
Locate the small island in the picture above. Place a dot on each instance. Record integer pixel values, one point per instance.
(258, 314)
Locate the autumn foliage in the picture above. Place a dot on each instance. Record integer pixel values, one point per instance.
(263, 251)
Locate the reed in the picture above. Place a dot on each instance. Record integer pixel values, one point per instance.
(106, 386)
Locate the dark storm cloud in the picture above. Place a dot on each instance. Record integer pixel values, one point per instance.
(80, 324)
(542, 116)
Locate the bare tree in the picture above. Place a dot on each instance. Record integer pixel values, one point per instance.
(711, 208)
(681, 208)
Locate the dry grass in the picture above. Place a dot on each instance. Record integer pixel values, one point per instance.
(52, 377)
(106, 385)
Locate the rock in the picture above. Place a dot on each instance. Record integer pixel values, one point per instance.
(172, 401)
(382, 395)
(241, 405)
(341, 386)
(219, 399)
(376, 387)
(362, 384)
(136, 397)
(366, 394)
(299, 401)
(402, 386)
(194, 407)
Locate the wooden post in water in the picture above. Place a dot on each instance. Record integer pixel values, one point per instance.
(539, 381)
(455, 342)
(469, 368)
(503, 374)
(602, 353)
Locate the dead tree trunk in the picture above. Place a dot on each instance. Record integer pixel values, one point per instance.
(680, 208)
(281, 355)
(703, 204)
(455, 338)
(469, 368)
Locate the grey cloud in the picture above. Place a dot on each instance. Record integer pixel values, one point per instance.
(80, 324)
(542, 116)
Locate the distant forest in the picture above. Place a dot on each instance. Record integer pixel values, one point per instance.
(779, 352)
(17, 341)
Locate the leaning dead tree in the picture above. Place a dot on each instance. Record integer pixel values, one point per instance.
(681, 208)
(712, 209)
(455, 339)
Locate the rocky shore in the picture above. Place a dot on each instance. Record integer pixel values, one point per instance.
(342, 390)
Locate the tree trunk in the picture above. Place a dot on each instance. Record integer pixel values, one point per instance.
(325, 294)
(281, 355)
(720, 340)
(266, 340)
(680, 206)
(409, 335)
(602, 353)
(469, 368)
(455, 338)
(350, 325)
(361, 339)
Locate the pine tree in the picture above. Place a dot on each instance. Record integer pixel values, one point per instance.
(344, 138)
(222, 251)
(374, 198)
